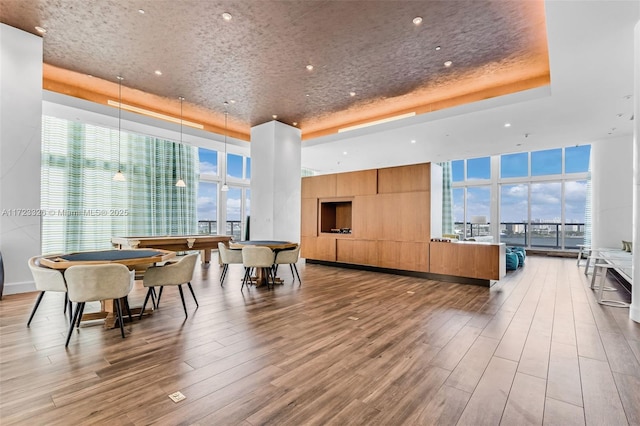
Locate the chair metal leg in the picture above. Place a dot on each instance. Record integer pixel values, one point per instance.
(66, 299)
(247, 272)
(292, 276)
(80, 316)
(159, 296)
(270, 274)
(35, 308)
(184, 305)
(193, 294)
(295, 268)
(153, 298)
(126, 305)
(223, 274)
(73, 320)
(119, 313)
(144, 304)
(70, 312)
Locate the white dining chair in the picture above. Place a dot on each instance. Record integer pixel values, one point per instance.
(257, 257)
(289, 257)
(92, 283)
(47, 279)
(228, 257)
(170, 274)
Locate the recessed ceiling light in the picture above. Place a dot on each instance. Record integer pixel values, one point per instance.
(438, 47)
(158, 72)
(295, 123)
(310, 67)
(227, 16)
(507, 124)
(344, 153)
(307, 95)
(89, 75)
(41, 30)
(233, 101)
(413, 141)
(274, 116)
(417, 20)
(141, 11)
(448, 64)
(352, 93)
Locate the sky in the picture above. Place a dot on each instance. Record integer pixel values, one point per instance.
(208, 191)
(546, 198)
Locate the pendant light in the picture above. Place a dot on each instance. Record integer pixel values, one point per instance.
(180, 183)
(119, 176)
(225, 187)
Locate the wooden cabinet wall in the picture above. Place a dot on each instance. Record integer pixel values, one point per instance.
(319, 186)
(390, 217)
(472, 260)
(356, 183)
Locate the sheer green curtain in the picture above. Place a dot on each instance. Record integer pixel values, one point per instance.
(447, 198)
(587, 207)
(84, 207)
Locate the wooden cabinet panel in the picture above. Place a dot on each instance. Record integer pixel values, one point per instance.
(405, 216)
(403, 255)
(357, 183)
(319, 186)
(318, 248)
(484, 261)
(443, 259)
(366, 218)
(359, 252)
(404, 179)
(309, 219)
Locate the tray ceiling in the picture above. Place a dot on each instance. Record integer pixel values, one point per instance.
(370, 61)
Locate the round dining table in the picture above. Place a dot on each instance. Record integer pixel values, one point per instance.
(276, 246)
(131, 258)
(273, 245)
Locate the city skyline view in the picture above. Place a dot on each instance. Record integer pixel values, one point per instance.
(526, 170)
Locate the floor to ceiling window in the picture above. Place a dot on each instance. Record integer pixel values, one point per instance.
(472, 196)
(541, 202)
(83, 207)
(230, 218)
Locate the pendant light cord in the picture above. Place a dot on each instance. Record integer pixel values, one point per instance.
(180, 147)
(225, 187)
(119, 118)
(226, 114)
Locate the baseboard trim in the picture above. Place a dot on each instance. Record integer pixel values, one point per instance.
(17, 288)
(426, 275)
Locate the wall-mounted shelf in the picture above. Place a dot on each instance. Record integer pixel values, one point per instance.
(335, 214)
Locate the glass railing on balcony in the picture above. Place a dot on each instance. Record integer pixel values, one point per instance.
(535, 235)
(210, 227)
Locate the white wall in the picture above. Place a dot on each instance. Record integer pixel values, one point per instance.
(275, 182)
(634, 310)
(612, 186)
(20, 140)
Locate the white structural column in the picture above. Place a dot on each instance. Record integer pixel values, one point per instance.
(275, 182)
(611, 185)
(20, 141)
(634, 310)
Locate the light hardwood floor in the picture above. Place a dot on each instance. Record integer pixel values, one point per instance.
(346, 347)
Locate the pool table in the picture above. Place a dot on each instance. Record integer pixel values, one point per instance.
(204, 243)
